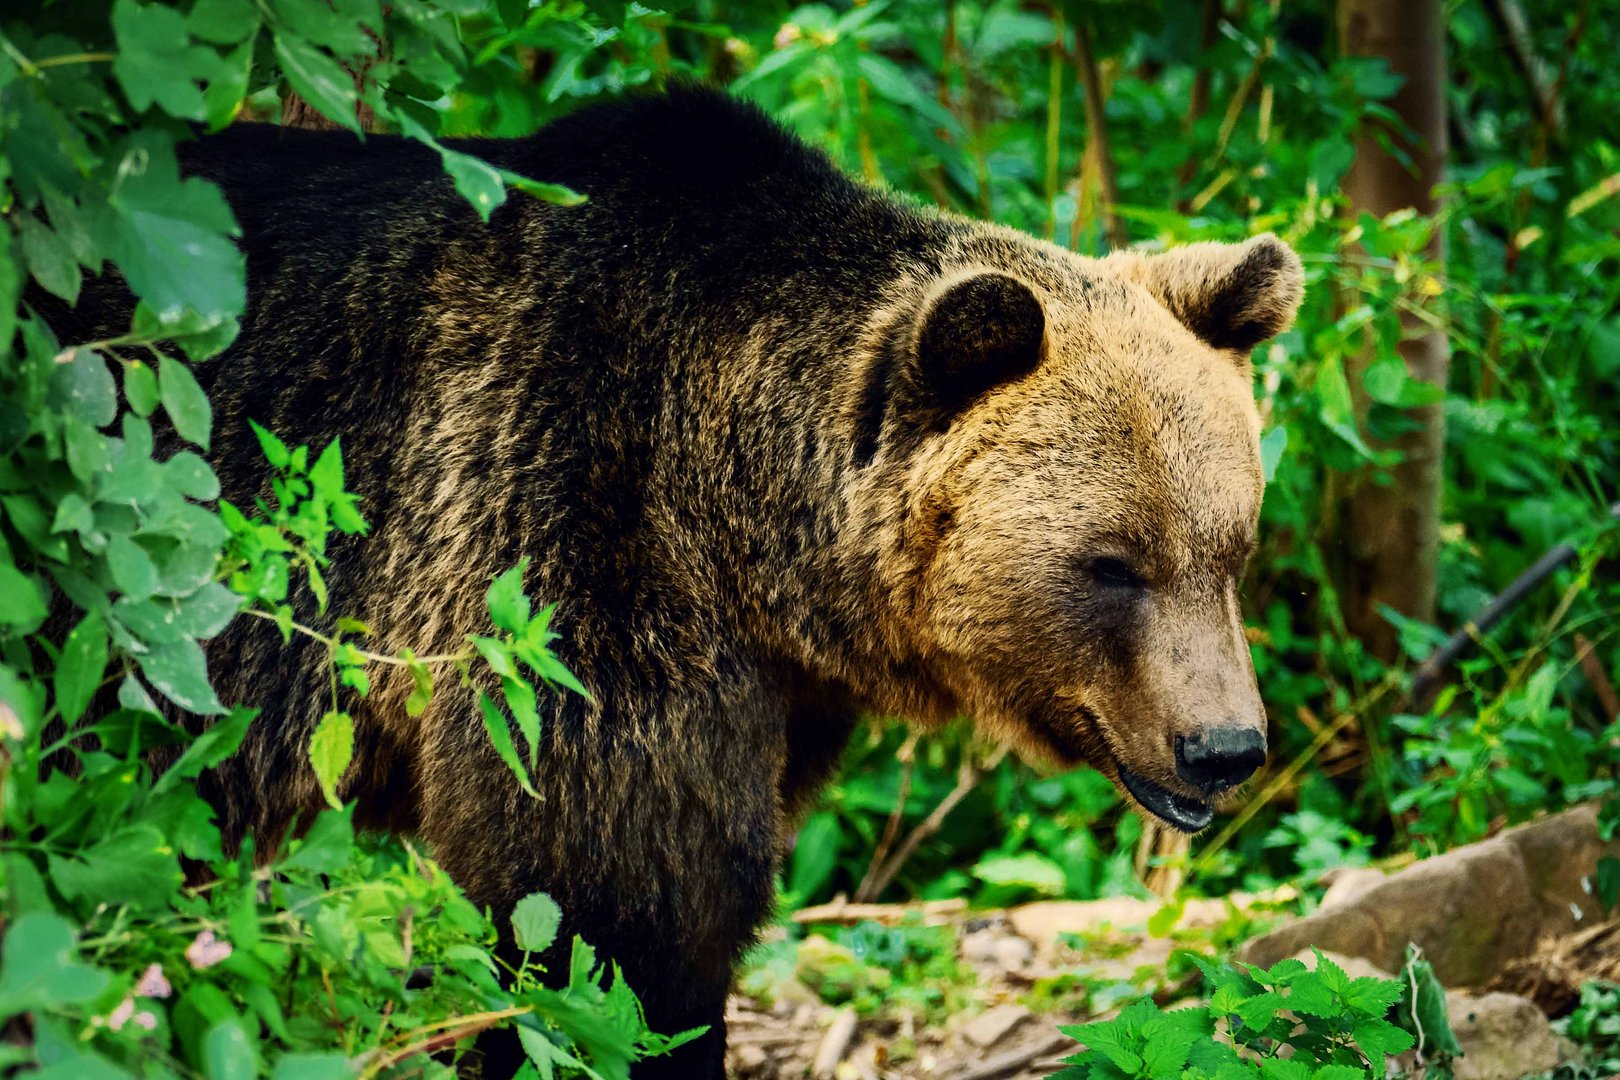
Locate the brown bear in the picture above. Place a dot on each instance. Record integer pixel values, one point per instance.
(787, 449)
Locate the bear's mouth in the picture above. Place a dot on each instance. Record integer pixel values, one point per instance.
(1179, 811)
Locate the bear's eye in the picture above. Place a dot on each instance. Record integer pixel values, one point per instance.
(1114, 574)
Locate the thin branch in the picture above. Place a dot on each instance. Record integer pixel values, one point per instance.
(1198, 99)
(907, 755)
(967, 778)
(1597, 679)
(1429, 674)
(1054, 120)
(1097, 131)
(1515, 30)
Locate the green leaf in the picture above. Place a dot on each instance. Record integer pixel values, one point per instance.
(1371, 996)
(79, 668)
(1029, 869)
(521, 700)
(318, 79)
(40, 968)
(275, 451)
(328, 846)
(229, 1053)
(179, 672)
(1428, 1012)
(171, 237)
(26, 515)
(184, 401)
(222, 100)
(535, 920)
(422, 694)
(314, 1067)
(136, 866)
(224, 22)
(1377, 1038)
(815, 854)
(479, 182)
(48, 257)
(219, 741)
(1387, 380)
(500, 736)
(87, 451)
(556, 194)
(1606, 882)
(21, 604)
(1272, 445)
(132, 569)
(508, 607)
(326, 476)
(1259, 1010)
(84, 386)
(331, 749)
(339, 27)
(140, 388)
(156, 59)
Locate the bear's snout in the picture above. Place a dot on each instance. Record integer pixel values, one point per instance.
(1218, 758)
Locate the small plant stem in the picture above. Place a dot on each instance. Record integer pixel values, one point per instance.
(373, 657)
(967, 778)
(1097, 134)
(1054, 120)
(1198, 97)
(907, 754)
(75, 58)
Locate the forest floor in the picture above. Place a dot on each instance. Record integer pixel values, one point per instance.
(976, 996)
(934, 991)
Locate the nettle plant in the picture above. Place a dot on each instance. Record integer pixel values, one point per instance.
(1288, 1022)
(132, 942)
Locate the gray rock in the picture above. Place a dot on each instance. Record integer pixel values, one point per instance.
(1471, 910)
(1503, 1037)
(992, 1025)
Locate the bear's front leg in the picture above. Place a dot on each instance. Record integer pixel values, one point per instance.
(656, 834)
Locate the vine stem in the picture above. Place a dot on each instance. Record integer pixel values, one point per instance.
(448, 1031)
(374, 657)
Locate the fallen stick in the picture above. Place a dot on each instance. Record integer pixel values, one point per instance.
(842, 911)
(1010, 1062)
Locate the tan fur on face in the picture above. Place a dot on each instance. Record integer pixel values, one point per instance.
(1135, 439)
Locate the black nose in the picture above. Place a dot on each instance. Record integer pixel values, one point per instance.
(1219, 757)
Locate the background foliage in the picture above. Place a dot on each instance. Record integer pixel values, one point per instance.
(112, 962)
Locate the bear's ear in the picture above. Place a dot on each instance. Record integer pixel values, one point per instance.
(978, 331)
(1234, 296)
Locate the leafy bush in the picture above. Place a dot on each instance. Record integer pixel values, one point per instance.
(133, 942)
(1286, 1023)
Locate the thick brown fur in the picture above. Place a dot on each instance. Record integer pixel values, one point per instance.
(697, 404)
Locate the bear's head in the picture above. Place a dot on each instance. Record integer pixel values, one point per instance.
(1063, 539)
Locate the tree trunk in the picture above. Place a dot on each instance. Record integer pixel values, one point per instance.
(1391, 530)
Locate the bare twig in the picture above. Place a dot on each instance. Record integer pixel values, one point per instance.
(907, 755)
(833, 1045)
(1515, 30)
(1097, 132)
(1014, 1060)
(1198, 99)
(843, 911)
(1054, 120)
(1597, 679)
(1429, 673)
(967, 778)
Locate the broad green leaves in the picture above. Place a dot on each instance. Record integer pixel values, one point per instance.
(1285, 1022)
(331, 749)
(535, 921)
(40, 969)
